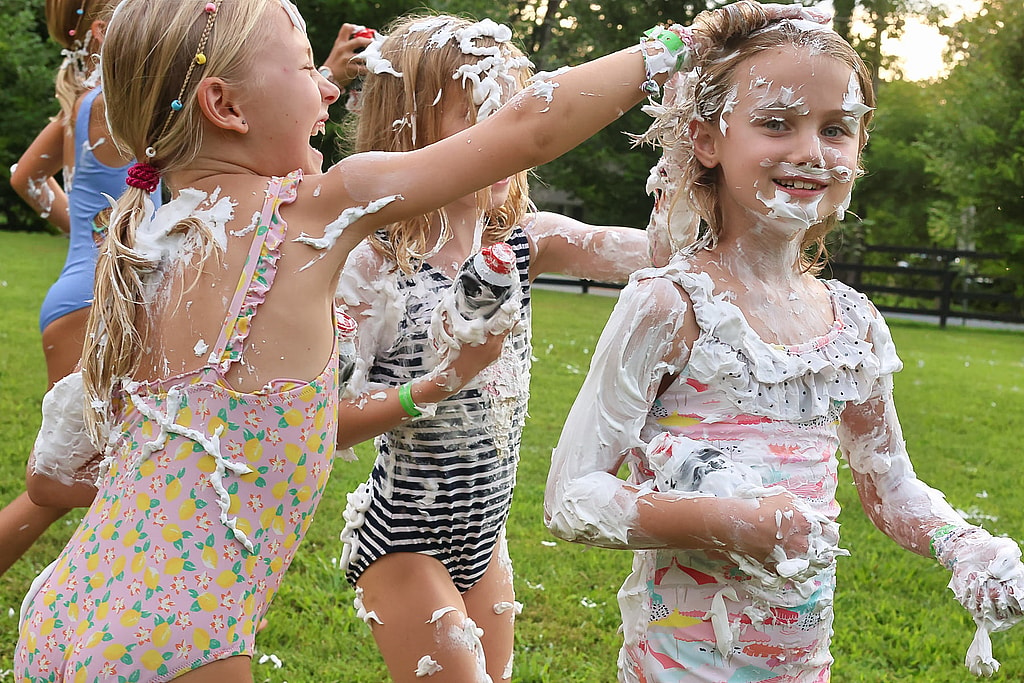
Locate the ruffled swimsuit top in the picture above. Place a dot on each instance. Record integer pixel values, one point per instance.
(774, 407)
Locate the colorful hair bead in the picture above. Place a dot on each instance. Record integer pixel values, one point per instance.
(198, 60)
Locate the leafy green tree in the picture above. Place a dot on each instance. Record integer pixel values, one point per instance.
(28, 62)
(895, 196)
(977, 140)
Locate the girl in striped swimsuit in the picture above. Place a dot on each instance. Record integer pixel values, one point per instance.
(424, 537)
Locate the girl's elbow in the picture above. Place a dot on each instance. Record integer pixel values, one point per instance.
(47, 492)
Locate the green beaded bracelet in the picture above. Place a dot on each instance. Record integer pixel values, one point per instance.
(405, 398)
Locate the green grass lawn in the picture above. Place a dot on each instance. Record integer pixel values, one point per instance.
(961, 399)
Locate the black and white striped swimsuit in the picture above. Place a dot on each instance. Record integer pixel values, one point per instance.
(442, 485)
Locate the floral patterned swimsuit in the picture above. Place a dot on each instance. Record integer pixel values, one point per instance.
(209, 492)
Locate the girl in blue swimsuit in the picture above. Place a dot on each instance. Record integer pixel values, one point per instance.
(78, 144)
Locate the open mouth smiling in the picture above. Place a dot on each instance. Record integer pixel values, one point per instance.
(798, 184)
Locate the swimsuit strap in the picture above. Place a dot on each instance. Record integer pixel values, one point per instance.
(83, 116)
(258, 272)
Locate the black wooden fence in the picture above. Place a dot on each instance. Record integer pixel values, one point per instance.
(939, 283)
(945, 283)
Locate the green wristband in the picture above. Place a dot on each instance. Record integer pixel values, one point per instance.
(943, 530)
(670, 39)
(405, 398)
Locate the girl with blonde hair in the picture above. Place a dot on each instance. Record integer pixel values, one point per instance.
(211, 368)
(78, 144)
(727, 380)
(424, 536)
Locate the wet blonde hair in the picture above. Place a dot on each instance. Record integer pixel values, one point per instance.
(146, 54)
(735, 34)
(72, 31)
(403, 114)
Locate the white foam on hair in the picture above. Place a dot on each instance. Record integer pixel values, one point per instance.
(493, 75)
(375, 62)
(731, 100)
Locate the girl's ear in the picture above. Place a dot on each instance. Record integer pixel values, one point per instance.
(705, 143)
(220, 105)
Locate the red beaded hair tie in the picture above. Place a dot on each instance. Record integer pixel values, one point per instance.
(143, 176)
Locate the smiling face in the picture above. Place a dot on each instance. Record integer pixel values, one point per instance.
(786, 146)
(286, 102)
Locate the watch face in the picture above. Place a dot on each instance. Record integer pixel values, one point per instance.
(326, 73)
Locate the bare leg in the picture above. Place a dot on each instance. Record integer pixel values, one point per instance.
(231, 670)
(21, 523)
(421, 615)
(62, 344)
(491, 604)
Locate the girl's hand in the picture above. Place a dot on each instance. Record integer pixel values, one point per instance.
(988, 577)
(461, 366)
(776, 522)
(344, 60)
(785, 536)
(988, 580)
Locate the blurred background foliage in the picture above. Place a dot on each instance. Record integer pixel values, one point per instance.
(945, 160)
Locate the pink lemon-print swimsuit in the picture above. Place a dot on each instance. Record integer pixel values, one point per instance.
(208, 495)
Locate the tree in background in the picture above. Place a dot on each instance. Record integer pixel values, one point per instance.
(28, 64)
(895, 196)
(606, 173)
(976, 140)
(937, 149)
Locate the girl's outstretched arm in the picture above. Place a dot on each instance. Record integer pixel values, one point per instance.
(987, 574)
(33, 176)
(539, 124)
(602, 253)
